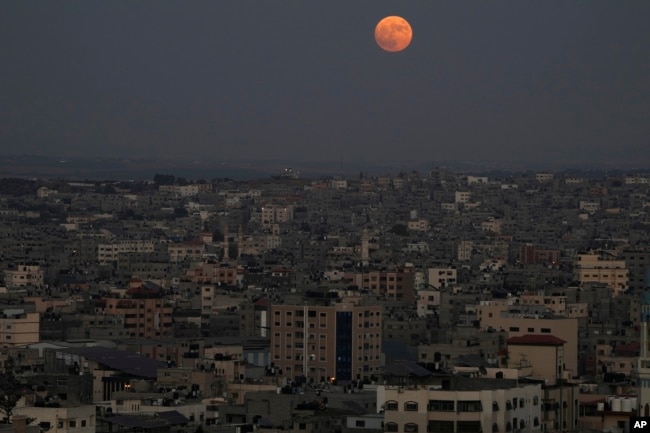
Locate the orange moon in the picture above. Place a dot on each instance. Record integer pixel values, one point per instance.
(393, 34)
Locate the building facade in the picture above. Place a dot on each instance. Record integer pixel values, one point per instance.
(327, 342)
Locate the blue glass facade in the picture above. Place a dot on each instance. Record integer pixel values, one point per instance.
(343, 346)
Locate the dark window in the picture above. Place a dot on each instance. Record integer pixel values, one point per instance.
(441, 405)
(390, 427)
(391, 405)
(440, 427)
(410, 406)
(470, 406)
(469, 427)
(410, 427)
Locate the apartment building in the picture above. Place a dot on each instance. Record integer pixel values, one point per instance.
(24, 275)
(184, 190)
(144, 311)
(109, 252)
(464, 250)
(462, 405)
(553, 303)
(638, 265)
(185, 251)
(273, 213)
(66, 419)
(18, 328)
(398, 284)
(496, 315)
(215, 273)
(530, 254)
(462, 197)
(439, 278)
(544, 353)
(341, 341)
(596, 268)
(418, 225)
(428, 302)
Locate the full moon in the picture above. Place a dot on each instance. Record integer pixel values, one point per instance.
(393, 34)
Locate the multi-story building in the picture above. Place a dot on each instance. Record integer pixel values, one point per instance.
(555, 304)
(272, 213)
(397, 284)
(638, 265)
(596, 268)
(24, 275)
(462, 404)
(544, 353)
(215, 273)
(442, 277)
(530, 254)
(145, 312)
(463, 197)
(185, 251)
(495, 315)
(428, 302)
(107, 253)
(341, 341)
(66, 419)
(419, 225)
(18, 328)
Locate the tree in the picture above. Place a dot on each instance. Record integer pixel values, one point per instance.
(400, 230)
(164, 179)
(10, 388)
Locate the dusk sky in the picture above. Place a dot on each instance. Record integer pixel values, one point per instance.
(549, 81)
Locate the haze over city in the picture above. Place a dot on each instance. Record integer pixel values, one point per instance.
(514, 81)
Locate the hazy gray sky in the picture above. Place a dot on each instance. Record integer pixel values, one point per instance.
(304, 80)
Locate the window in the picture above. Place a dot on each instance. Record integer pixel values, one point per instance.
(545, 330)
(535, 401)
(495, 428)
(441, 405)
(360, 423)
(536, 421)
(495, 406)
(514, 329)
(440, 427)
(410, 406)
(410, 427)
(469, 427)
(390, 427)
(470, 406)
(391, 405)
(73, 423)
(508, 426)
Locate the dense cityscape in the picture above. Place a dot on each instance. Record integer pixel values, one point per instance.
(432, 301)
